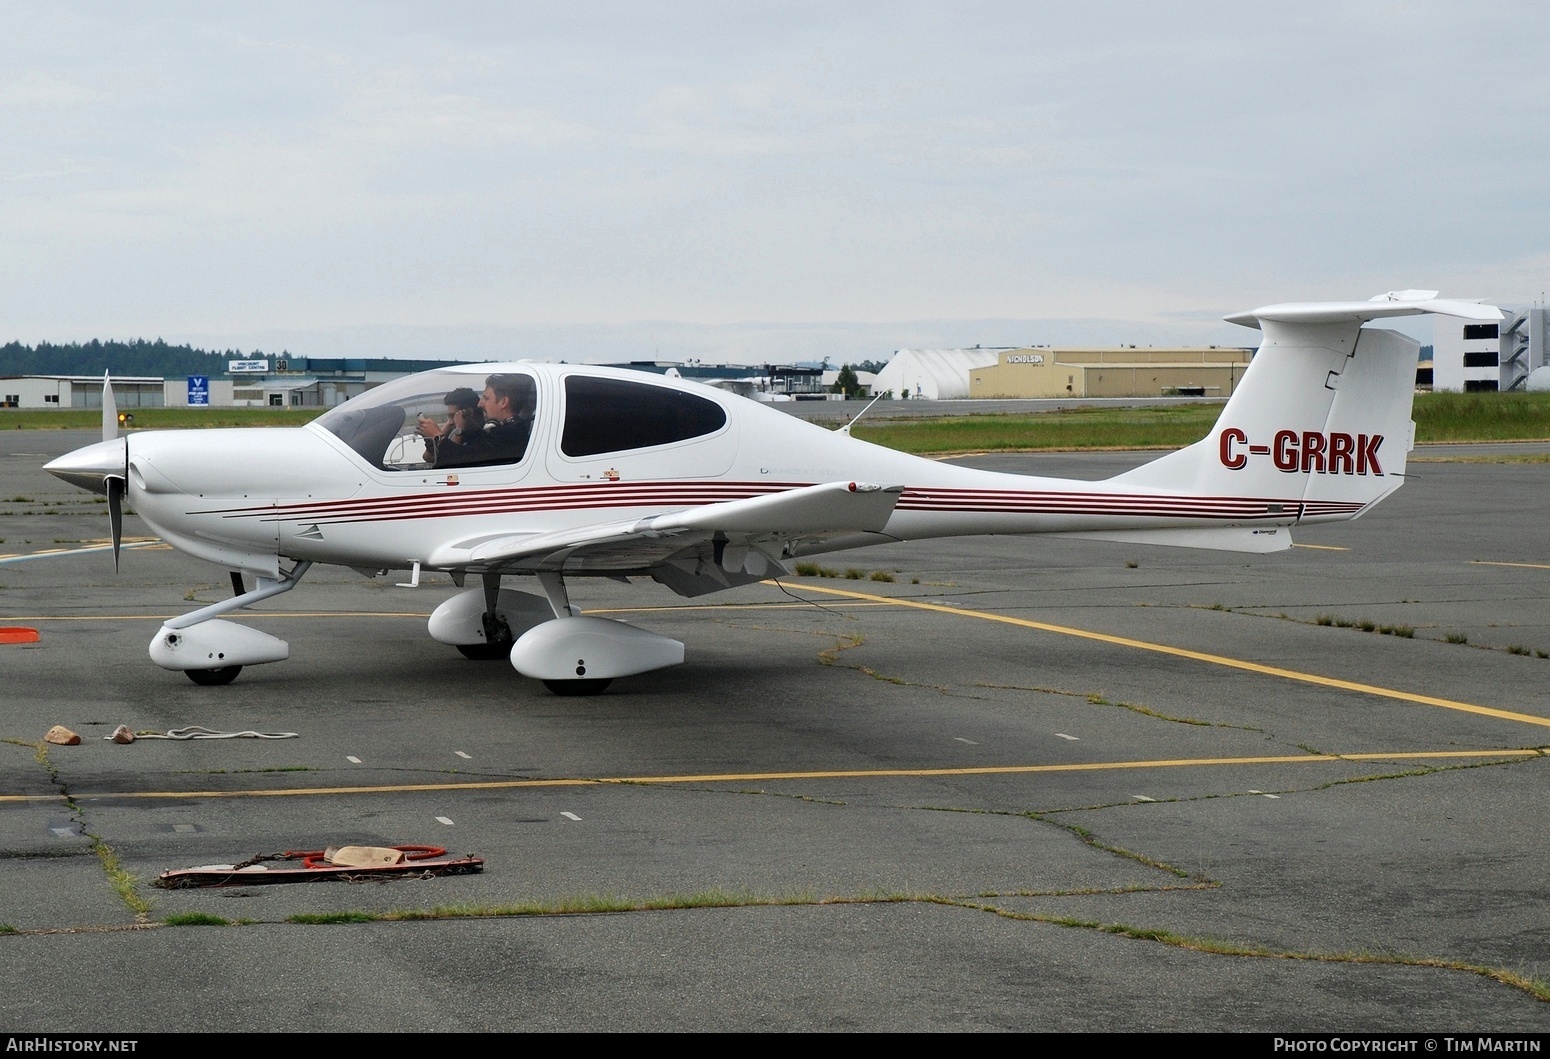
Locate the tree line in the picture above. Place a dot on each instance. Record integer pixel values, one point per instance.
(136, 357)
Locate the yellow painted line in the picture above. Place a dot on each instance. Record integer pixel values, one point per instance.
(1201, 656)
(1322, 547)
(1531, 566)
(764, 777)
(692, 608)
(14, 557)
(964, 612)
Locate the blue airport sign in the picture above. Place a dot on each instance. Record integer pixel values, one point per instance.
(199, 389)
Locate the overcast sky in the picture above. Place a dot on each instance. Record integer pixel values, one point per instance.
(745, 181)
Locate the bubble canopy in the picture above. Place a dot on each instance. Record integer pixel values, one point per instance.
(381, 424)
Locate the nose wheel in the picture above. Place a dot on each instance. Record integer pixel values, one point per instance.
(213, 677)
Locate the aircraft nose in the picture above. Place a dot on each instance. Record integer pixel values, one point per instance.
(91, 467)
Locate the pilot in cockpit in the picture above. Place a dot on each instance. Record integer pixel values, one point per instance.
(456, 440)
(508, 404)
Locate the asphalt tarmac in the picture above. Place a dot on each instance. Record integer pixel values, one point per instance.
(990, 784)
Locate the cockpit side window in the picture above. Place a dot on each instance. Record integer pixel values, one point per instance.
(614, 415)
(384, 424)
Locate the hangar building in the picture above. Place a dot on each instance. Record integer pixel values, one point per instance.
(1123, 371)
(80, 391)
(932, 374)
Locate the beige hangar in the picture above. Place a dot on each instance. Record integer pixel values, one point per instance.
(1116, 372)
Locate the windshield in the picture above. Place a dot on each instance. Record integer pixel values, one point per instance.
(435, 419)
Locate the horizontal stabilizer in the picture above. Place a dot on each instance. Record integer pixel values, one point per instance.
(1394, 303)
(1226, 539)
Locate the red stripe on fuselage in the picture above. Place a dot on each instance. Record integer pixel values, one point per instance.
(680, 494)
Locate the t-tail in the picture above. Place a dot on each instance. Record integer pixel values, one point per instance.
(1319, 426)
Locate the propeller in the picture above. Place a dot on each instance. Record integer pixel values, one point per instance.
(116, 488)
(117, 485)
(109, 410)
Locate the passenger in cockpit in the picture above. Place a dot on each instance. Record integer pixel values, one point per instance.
(455, 441)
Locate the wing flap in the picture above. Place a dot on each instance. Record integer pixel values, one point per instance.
(815, 510)
(851, 507)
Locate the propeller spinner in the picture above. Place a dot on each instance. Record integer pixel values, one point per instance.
(101, 468)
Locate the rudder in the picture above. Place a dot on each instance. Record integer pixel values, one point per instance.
(1321, 418)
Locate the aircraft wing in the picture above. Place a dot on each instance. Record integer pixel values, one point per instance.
(729, 536)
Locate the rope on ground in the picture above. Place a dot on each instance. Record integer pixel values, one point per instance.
(195, 731)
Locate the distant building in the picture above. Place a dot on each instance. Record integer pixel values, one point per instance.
(284, 382)
(311, 382)
(865, 379)
(1484, 357)
(1465, 357)
(320, 382)
(767, 382)
(80, 391)
(932, 374)
(1115, 372)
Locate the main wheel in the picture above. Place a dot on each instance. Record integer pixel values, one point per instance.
(497, 641)
(213, 677)
(486, 652)
(578, 687)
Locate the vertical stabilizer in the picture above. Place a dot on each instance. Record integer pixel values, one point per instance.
(1321, 417)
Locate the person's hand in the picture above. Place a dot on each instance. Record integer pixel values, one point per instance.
(428, 428)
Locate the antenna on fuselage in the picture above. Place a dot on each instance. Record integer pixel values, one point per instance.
(846, 428)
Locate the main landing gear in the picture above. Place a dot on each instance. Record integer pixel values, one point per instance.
(489, 651)
(484, 623)
(496, 627)
(547, 639)
(577, 655)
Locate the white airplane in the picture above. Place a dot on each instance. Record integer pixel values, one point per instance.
(594, 472)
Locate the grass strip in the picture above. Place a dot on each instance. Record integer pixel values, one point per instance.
(196, 919)
(1537, 988)
(123, 883)
(1439, 417)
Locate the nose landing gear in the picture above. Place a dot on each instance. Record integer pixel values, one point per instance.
(213, 677)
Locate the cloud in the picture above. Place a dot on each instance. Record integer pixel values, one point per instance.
(35, 90)
(495, 167)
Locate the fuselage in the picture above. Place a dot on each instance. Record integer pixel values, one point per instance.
(356, 487)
